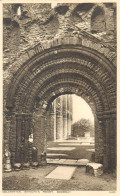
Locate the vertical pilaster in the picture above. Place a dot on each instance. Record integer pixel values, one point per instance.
(64, 116)
(22, 147)
(99, 137)
(18, 138)
(39, 136)
(54, 130)
(53, 121)
(107, 130)
(68, 117)
(12, 138)
(71, 112)
(113, 143)
(6, 135)
(110, 142)
(59, 118)
(107, 144)
(27, 126)
(23, 127)
(48, 124)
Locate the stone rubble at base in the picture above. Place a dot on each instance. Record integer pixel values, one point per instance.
(94, 168)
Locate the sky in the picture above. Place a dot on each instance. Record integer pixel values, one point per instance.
(81, 109)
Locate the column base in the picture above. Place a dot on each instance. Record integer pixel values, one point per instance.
(17, 166)
(42, 163)
(26, 165)
(7, 166)
(43, 160)
(7, 170)
(35, 164)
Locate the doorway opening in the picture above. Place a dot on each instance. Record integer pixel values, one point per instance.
(70, 129)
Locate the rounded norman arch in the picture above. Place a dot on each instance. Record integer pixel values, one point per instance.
(64, 69)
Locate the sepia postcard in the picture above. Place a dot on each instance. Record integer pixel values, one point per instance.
(60, 100)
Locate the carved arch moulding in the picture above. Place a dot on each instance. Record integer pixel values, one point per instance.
(63, 69)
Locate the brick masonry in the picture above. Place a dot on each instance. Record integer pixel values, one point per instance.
(48, 49)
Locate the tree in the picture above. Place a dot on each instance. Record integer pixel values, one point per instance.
(80, 127)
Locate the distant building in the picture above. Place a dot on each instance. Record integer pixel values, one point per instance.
(59, 118)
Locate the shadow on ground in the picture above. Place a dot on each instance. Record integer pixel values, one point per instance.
(79, 151)
(34, 179)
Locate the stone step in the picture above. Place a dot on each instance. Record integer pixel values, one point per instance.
(61, 148)
(76, 141)
(56, 155)
(71, 162)
(78, 144)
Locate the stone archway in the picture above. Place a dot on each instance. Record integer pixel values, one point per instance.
(60, 70)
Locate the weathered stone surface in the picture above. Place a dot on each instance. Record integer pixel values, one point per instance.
(66, 173)
(46, 50)
(94, 168)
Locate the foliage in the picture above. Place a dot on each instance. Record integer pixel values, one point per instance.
(80, 127)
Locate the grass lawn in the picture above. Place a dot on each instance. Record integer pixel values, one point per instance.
(80, 152)
(34, 179)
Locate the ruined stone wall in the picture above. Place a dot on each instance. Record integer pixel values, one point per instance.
(26, 25)
(29, 29)
(39, 22)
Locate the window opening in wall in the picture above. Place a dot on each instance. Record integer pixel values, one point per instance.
(98, 23)
(19, 11)
(17, 8)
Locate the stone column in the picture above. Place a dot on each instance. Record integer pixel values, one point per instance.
(68, 117)
(6, 136)
(54, 131)
(106, 144)
(107, 141)
(71, 112)
(59, 118)
(113, 143)
(12, 138)
(99, 140)
(64, 116)
(48, 125)
(27, 127)
(6, 144)
(39, 135)
(53, 121)
(23, 127)
(19, 119)
(22, 147)
(110, 142)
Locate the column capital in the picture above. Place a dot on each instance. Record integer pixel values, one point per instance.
(106, 114)
(23, 114)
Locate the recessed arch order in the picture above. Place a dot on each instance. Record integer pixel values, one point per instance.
(63, 61)
(67, 69)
